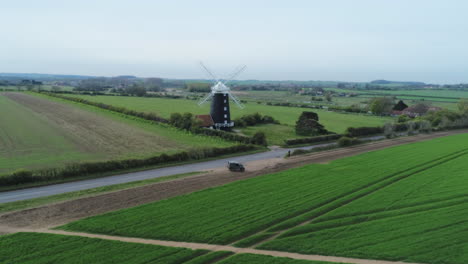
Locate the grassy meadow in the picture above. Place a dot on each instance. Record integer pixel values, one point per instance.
(29, 140)
(44, 132)
(403, 203)
(336, 122)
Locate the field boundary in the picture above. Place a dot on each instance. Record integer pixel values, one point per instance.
(214, 247)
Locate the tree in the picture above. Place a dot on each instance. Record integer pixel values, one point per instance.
(259, 138)
(308, 125)
(137, 90)
(381, 105)
(400, 106)
(463, 106)
(328, 96)
(56, 89)
(153, 84)
(403, 118)
(420, 108)
(185, 121)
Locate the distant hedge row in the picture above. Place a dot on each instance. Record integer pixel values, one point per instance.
(88, 168)
(297, 141)
(119, 109)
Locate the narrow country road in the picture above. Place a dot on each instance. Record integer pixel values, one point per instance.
(35, 192)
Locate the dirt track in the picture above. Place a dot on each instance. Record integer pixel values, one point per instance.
(64, 212)
(213, 247)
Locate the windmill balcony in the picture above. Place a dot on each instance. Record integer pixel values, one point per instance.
(231, 124)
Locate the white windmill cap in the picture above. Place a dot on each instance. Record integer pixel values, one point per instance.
(220, 87)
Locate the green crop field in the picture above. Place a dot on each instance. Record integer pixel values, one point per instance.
(38, 132)
(49, 248)
(362, 205)
(420, 219)
(260, 259)
(44, 248)
(336, 122)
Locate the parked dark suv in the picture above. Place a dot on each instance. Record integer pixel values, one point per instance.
(235, 166)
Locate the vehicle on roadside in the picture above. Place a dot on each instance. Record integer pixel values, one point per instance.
(235, 166)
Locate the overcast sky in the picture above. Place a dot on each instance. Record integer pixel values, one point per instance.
(358, 40)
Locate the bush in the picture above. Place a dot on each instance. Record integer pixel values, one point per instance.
(363, 131)
(254, 119)
(347, 141)
(259, 138)
(17, 177)
(308, 125)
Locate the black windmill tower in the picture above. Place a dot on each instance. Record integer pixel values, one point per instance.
(220, 94)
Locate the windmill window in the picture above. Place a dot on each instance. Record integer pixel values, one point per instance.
(225, 121)
(225, 108)
(225, 100)
(225, 116)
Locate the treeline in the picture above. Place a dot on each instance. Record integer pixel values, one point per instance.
(155, 95)
(254, 119)
(90, 168)
(198, 87)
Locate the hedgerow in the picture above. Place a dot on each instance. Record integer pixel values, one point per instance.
(297, 141)
(363, 131)
(89, 168)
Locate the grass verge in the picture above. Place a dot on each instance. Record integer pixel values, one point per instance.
(6, 207)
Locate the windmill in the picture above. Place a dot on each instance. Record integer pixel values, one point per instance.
(220, 94)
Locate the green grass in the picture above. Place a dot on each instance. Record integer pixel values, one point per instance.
(50, 248)
(275, 134)
(261, 259)
(35, 140)
(276, 201)
(336, 122)
(29, 140)
(30, 203)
